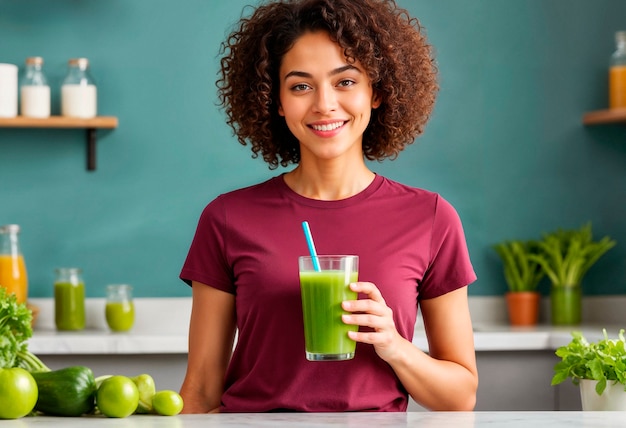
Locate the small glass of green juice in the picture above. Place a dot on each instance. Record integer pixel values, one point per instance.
(69, 299)
(324, 284)
(119, 308)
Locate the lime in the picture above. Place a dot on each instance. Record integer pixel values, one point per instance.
(18, 393)
(167, 403)
(117, 397)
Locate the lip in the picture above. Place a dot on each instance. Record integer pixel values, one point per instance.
(330, 127)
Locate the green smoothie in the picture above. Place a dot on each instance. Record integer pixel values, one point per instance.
(325, 334)
(120, 316)
(69, 306)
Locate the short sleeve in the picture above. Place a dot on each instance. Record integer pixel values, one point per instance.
(450, 266)
(206, 260)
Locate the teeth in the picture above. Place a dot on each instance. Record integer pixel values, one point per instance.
(327, 127)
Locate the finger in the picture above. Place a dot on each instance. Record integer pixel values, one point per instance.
(365, 306)
(362, 337)
(368, 289)
(375, 322)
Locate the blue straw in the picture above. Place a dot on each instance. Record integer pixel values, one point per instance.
(309, 242)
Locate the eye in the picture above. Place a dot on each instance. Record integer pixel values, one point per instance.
(300, 87)
(344, 83)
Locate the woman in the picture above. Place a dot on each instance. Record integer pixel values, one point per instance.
(324, 85)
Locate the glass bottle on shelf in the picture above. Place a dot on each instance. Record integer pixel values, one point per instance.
(69, 299)
(119, 309)
(79, 96)
(617, 73)
(34, 90)
(13, 275)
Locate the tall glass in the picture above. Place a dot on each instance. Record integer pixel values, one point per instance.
(323, 289)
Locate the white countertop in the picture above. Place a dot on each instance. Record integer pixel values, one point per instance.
(161, 327)
(317, 420)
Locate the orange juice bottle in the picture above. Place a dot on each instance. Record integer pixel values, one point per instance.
(617, 73)
(13, 275)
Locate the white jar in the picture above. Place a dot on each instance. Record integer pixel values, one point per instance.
(79, 95)
(8, 90)
(34, 91)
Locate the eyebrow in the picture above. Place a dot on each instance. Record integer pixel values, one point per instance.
(334, 72)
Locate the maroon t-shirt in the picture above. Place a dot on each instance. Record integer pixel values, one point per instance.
(410, 243)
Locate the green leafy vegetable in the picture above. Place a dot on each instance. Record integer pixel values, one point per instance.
(15, 328)
(567, 255)
(603, 361)
(521, 272)
(30, 362)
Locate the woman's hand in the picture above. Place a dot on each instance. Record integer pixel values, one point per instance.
(372, 312)
(444, 379)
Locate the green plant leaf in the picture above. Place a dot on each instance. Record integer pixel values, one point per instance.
(603, 361)
(15, 328)
(521, 271)
(566, 255)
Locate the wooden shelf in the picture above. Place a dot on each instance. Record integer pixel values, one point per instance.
(90, 125)
(605, 117)
(108, 122)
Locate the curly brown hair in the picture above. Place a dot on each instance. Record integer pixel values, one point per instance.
(388, 43)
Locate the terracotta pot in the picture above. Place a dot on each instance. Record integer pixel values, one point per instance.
(523, 307)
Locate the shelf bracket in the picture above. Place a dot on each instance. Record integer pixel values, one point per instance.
(91, 149)
(91, 126)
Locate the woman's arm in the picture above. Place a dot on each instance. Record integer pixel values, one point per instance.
(211, 337)
(444, 379)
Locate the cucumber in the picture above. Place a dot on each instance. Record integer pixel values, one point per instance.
(66, 392)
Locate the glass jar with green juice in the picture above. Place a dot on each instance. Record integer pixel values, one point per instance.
(69, 299)
(119, 309)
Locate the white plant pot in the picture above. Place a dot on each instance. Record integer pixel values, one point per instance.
(612, 398)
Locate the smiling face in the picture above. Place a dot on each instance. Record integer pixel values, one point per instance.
(325, 100)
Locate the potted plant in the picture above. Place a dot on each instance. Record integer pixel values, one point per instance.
(522, 275)
(565, 256)
(598, 368)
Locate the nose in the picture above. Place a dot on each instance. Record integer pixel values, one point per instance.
(325, 100)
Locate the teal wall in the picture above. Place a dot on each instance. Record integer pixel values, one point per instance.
(505, 144)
